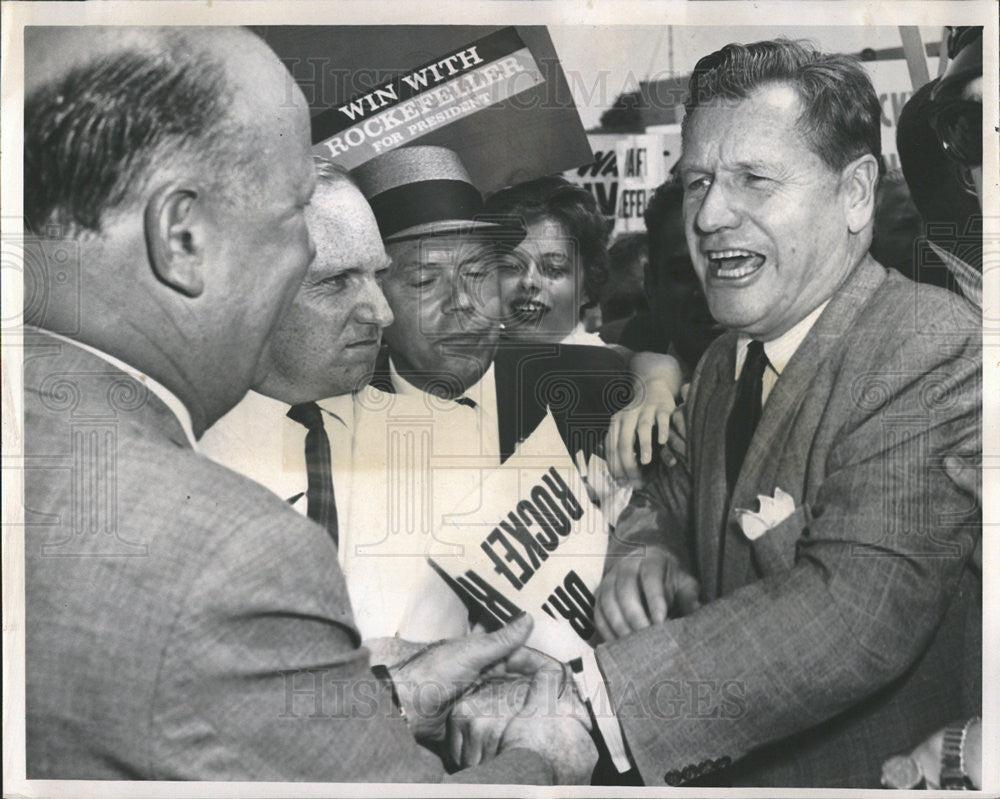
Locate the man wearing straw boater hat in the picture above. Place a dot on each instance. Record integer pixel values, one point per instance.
(476, 396)
(443, 291)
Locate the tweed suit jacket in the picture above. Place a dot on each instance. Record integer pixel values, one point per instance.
(181, 621)
(583, 386)
(835, 639)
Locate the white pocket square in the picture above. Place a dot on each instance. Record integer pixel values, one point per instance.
(773, 511)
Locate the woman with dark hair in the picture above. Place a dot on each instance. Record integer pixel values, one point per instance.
(559, 267)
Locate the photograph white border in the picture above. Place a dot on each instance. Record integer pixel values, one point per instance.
(16, 15)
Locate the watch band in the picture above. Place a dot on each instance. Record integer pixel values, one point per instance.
(953, 776)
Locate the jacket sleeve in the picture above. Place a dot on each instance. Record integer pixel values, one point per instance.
(873, 574)
(263, 676)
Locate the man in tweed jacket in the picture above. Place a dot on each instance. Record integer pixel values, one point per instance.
(183, 622)
(829, 630)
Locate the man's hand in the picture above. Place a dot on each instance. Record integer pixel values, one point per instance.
(480, 718)
(641, 590)
(555, 724)
(927, 756)
(429, 682)
(389, 649)
(634, 424)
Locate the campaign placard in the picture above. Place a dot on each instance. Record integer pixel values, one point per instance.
(508, 120)
(536, 542)
(644, 162)
(600, 177)
(419, 101)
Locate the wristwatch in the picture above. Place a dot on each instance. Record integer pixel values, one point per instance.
(902, 772)
(953, 776)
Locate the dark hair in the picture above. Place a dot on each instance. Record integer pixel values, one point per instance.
(574, 208)
(841, 119)
(626, 249)
(624, 293)
(666, 202)
(92, 136)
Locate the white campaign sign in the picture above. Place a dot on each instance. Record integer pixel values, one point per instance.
(537, 543)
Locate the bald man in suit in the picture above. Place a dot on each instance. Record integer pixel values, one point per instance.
(183, 622)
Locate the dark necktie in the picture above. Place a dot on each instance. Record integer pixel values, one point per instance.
(468, 403)
(746, 411)
(322, 506)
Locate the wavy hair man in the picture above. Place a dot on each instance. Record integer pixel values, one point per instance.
(812, 506)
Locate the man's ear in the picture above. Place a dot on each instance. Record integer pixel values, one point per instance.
(860, 179)
(174, 238)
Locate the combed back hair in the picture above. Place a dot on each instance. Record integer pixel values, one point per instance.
(841, 118)
(330, 174)
(94, 135)
(575, 208)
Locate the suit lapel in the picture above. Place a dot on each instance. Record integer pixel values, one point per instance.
(518, 369)
(716, 384)
(768, 457)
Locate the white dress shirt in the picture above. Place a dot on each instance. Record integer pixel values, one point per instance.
(257, 439)
(398, 462)
(464, 424)
(779, 351)
(579, 336)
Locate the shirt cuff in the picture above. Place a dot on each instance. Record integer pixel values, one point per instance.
(590, 682)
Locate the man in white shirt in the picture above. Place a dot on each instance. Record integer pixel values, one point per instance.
(474, 398)
(443, 288)
(324, 351)
(334, 326)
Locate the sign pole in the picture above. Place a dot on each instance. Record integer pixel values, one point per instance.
(943, 52)
(916, 59)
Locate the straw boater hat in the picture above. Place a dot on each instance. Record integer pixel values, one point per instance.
(426, 191)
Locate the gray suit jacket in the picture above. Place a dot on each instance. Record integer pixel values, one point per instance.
(182, 621)
(837, 638)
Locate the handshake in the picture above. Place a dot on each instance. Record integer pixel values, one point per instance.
(481, 695)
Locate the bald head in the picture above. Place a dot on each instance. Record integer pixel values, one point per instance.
(106, 107)
(179, 161)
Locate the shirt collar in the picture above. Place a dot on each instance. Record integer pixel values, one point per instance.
(267, 409)
(480, 392)
(340, 408)
(779, 351)
(166, 396)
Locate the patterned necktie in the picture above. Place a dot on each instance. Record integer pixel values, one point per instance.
(746, 411)
(322, 506)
